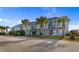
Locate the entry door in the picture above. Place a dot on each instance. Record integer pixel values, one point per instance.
(33, 32)
(50, 32)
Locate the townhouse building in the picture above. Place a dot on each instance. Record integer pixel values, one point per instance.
(52, 28)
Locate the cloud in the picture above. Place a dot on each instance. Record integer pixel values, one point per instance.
(51, 11)
(74, 27)
(4, 20)
(18, 22)
(1, 20)
(9, 22)
(54, 11)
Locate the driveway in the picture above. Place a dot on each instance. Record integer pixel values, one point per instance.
(30, 44)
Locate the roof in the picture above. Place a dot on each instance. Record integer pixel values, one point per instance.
(53, 18)
(18, 25)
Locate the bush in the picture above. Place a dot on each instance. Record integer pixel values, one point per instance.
(68, 34)
(20, 33)
(2, 33)
(11, 33)
(72, 35)
(17, 33)
(55, 37)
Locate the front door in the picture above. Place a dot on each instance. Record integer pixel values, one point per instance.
(50, 32)
(33, 32)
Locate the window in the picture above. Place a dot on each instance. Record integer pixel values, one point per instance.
(54, 32)
(60, 31)
(59, 24)
(47, 32)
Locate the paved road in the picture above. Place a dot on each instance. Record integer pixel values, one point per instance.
(30, 44)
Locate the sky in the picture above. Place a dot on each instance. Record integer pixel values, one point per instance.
(11, 16)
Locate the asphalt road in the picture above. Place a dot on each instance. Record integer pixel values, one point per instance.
(31, 44)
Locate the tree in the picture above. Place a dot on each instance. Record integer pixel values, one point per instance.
(25, 23)
(63, 20)
(42, 21)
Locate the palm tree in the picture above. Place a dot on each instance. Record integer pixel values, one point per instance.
(63, 20)
(25, 23)
(42, 21)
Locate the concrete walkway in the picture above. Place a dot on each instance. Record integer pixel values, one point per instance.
(30, 44)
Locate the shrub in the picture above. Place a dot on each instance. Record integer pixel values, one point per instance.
(17, 33)
(20, 32)
(67, 34)
(55, 37)
(72, 35)
(2, 33)
(11, 33)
